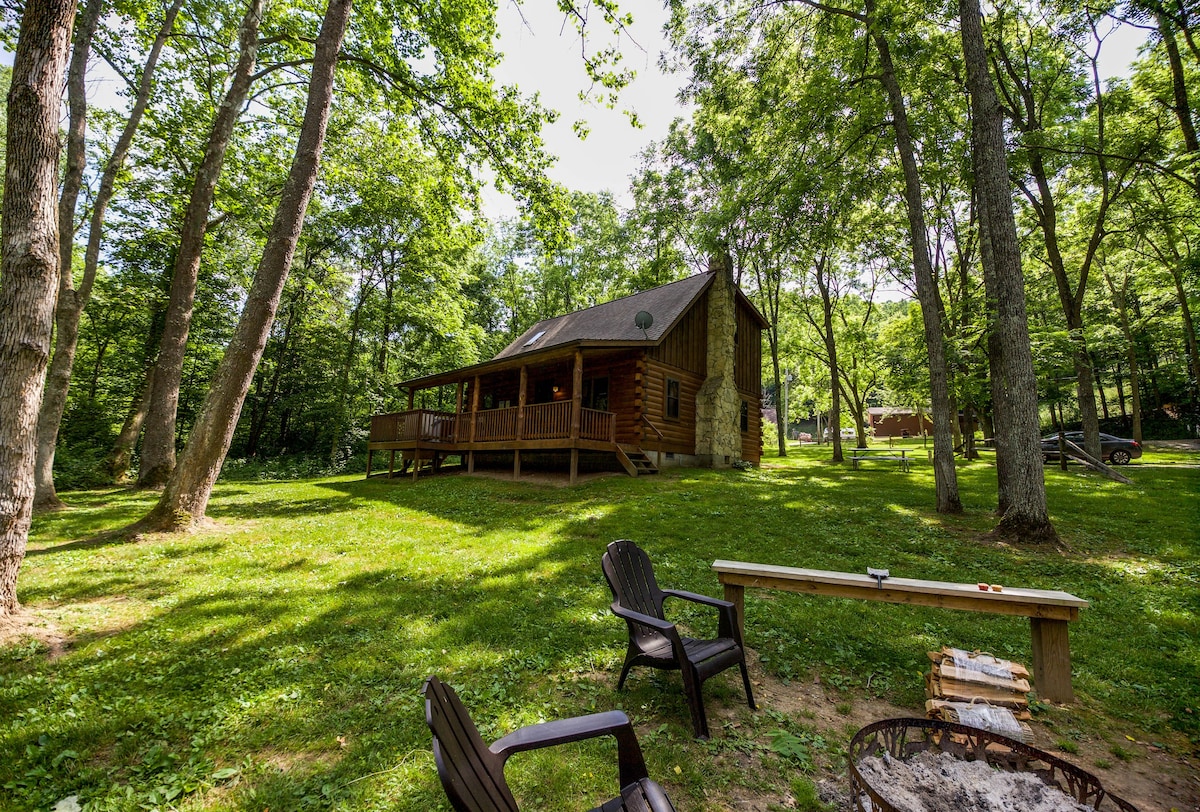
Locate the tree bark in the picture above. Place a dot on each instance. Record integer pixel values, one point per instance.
(185, 498)
(835, 408)
(71, 302)
(944, 474)
(158, 444)
(29, 257)
(1023, 512)
(120, 458)
(1179, 88)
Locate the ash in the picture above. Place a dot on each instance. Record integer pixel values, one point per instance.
(931, 782)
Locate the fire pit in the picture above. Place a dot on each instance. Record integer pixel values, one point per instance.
(928, 740)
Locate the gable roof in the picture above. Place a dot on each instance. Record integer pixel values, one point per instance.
(608, 325)
(614, 321)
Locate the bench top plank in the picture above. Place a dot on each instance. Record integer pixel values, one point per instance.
(1038, 603)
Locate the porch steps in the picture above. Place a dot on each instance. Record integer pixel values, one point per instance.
(634, 461)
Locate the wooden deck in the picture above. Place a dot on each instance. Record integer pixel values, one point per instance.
(433, 435)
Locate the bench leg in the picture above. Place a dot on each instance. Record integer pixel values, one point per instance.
(1051, 660)
(736, 594)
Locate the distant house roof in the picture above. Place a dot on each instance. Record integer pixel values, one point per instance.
(891, 411)
(614, 321)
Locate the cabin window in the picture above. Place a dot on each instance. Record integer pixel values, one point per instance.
(744, 419)
(671, 407)
(595, 394)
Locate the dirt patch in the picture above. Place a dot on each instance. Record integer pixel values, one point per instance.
(1148, 777)
(25, 625)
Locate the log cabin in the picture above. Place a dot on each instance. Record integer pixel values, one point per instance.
(669, 376)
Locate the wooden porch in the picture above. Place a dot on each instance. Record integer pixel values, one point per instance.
(432, 436)
(512, 406)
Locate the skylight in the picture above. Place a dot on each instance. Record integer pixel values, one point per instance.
(533, 340)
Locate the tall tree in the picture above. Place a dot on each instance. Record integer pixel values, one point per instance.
(158, 443)
(185, 497)
(72, 300)
(932, 311)
(29, 265)
(1024, 515)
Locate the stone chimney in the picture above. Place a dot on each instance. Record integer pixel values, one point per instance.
(718, 404)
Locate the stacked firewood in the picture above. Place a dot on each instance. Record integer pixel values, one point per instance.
(979, 690)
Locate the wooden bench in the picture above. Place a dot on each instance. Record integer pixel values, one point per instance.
(1049, 611)
(900, 455)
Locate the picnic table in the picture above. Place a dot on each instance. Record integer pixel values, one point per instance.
(1049, 611)
(900, 455)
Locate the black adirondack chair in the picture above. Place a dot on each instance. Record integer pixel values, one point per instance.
(655, 642)
(473, 773)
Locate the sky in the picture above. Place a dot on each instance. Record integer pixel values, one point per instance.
(542, 54)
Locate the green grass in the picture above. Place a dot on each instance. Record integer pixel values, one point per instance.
(275, 660)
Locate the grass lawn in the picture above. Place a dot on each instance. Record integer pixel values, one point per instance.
(274, 661)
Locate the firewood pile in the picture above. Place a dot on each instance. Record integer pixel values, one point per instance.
(979, 690)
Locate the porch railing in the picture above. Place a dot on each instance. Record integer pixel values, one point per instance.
(420, 424)
(543, 421)
(597, 425)
(547, 421)
(495, 424)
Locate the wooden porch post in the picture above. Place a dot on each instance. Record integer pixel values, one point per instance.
(521, 396)
(412, 390)
(457, 409)
(474, 419)
(577, 394)
(576, 412)
(520, 421)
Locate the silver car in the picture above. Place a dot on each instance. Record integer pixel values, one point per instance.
(1114, 450)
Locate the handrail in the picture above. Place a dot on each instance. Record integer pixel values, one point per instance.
(653, 427)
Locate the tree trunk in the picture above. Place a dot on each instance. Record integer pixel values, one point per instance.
(835, 409)
(72, 180)
(29, 257)
(1120, 301)
(944, 475)
(258, 425)
(158, 444)
(185, 498)
(1179, 87)
(71, 302)
(1023, 512)
(76, 158)
(120, 458)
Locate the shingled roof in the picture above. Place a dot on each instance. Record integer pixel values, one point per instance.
(614, 321)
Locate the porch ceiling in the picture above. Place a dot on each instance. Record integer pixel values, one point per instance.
(550, 355)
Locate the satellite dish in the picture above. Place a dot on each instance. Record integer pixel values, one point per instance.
(643, 320)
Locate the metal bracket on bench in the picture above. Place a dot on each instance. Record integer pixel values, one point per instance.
(878, 575)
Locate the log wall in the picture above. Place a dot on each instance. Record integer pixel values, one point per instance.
(679, 435)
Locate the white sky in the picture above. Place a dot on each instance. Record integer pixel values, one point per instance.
(542, 55)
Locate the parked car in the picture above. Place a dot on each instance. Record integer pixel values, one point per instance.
(1114, 450)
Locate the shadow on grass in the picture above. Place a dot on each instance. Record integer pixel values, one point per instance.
(324, 622)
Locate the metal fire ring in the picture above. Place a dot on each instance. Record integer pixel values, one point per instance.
(904, 738)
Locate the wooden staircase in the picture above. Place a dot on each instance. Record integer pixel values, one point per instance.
(634, 461)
